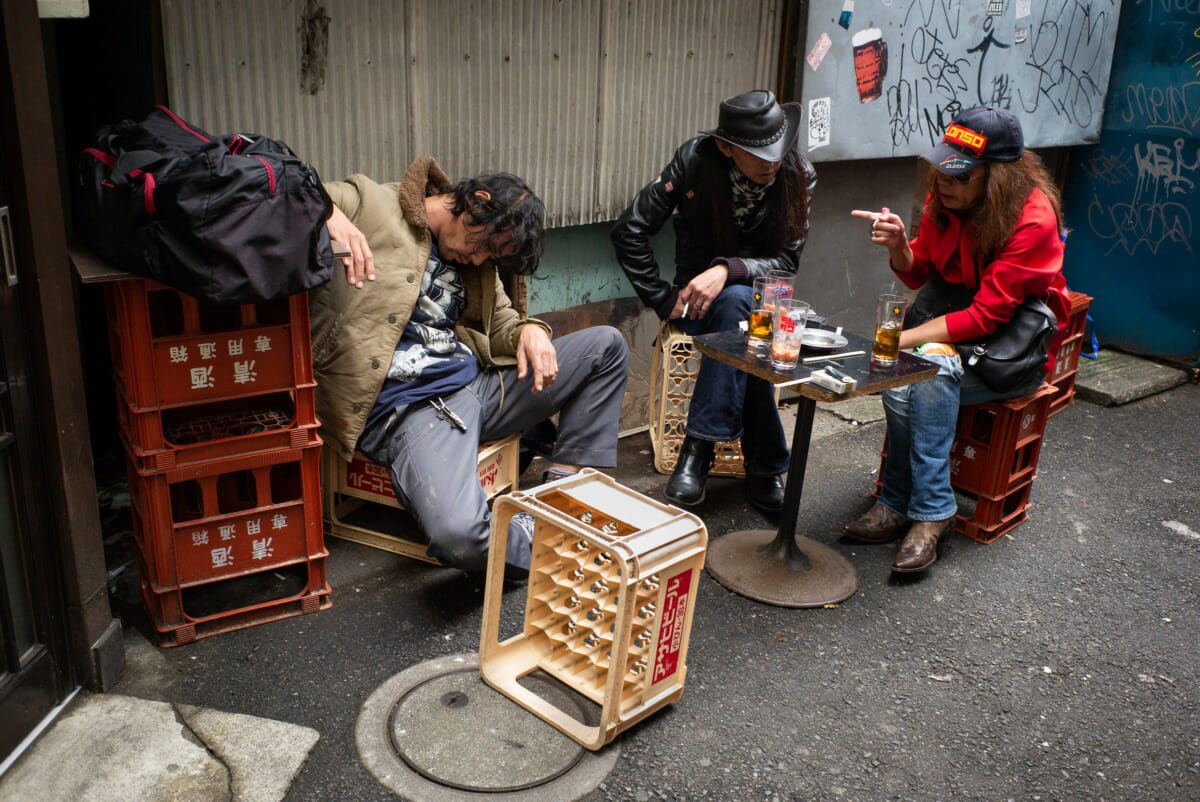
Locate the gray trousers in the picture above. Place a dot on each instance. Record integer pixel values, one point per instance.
(433, 463)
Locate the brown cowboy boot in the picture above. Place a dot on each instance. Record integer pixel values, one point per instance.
(920, 548)
(878, 525)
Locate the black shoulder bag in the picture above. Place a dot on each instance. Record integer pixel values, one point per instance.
(237, 219)
(1009, 357)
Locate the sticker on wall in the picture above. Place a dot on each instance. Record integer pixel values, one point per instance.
(847, 13)
(817, 54)
(996, 7)
(870, 63)
(1020, 34)
(1023, 8)
(818, 122)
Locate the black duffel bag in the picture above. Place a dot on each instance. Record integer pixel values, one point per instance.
(237, 219)
(1011, 356)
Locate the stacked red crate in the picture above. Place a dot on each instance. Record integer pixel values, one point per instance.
(993, 461)
(217, 415)
(1066, 365)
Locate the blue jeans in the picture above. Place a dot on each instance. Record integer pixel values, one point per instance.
(921, 420)
(728, 404)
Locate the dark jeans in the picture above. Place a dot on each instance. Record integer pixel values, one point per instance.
(728, 404)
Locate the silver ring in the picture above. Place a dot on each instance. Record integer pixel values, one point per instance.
(873, 224)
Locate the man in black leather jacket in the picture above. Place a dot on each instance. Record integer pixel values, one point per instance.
(740, 195)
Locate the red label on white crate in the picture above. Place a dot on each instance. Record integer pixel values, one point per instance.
(670, 628)
(368, 477)
(489, 473)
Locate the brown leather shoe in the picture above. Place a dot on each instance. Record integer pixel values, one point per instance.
(878, 525)
(920, 549)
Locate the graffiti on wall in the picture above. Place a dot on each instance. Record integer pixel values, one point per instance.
(1144, 197)
(901, 72)
(1133, 198)
(1145, 185)
(945, 66)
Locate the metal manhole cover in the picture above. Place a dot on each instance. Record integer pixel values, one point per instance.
(437, 732)
(457, 731)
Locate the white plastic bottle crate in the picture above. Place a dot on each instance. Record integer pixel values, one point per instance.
(361, 486)
(608, 608)
(672, 380)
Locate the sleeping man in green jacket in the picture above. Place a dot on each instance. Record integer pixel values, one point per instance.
(420, 355)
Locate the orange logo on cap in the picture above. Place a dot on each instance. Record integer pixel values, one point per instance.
(972, 141)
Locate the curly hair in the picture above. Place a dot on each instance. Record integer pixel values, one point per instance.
(996, 213)
(511, 217)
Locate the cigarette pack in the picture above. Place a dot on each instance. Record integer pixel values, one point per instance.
(833, 385)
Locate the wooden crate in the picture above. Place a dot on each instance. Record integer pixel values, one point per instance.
(348, 487)
(609, 604)
(672, 380)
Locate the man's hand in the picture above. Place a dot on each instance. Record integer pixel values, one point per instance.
(361, 262)
(700, 292)
(536, 352)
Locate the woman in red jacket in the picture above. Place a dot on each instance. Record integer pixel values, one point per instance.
(992, 221)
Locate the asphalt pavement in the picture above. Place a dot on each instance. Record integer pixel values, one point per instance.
(1056, 663)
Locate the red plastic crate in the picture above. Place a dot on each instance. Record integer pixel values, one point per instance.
(168, 348)
(182, 616)
(163, 439)
(228, 518)
(997, 444)
(994, 517)
(1066, 365)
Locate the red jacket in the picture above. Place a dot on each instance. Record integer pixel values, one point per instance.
(1028, 263)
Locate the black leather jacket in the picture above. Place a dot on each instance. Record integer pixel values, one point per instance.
(675, 191)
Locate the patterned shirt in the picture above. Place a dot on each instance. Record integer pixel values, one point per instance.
(429, 360)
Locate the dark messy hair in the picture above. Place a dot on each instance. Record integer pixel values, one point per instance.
(1008, 187)
(512, 209)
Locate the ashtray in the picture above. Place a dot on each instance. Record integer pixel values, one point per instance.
(823, 340)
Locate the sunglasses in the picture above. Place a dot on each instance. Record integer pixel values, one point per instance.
(962, 179)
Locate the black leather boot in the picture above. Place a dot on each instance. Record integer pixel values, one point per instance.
(766, 492)
(686, 485)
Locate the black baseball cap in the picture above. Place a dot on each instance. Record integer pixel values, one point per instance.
(977, 135)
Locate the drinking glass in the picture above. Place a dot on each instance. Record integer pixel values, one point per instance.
(791, 315)
(767, 292)
(784, 278)
(889, 317)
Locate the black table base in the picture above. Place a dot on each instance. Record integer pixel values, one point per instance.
(754, 564)
(776, 567)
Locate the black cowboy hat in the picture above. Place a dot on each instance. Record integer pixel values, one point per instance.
(758, 124)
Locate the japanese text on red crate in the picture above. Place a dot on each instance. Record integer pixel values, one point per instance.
(225, 537)
(209, 367)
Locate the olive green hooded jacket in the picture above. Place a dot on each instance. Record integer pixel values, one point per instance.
(355, 331)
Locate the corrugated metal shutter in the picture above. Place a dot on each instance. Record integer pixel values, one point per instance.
(585, 99)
